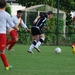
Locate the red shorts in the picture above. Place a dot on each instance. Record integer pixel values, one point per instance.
(2, 41)
(14, 34)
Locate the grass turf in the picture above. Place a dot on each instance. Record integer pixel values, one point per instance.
(47, 62)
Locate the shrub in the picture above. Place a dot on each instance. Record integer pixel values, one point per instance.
(8, 8)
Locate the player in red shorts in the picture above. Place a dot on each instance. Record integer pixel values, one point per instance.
(4, 18)
(17, 20)
(13, 37)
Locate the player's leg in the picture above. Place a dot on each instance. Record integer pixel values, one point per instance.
(42, 38)
(14, 39)
(34, 41)
(35, 38)
(2, 51)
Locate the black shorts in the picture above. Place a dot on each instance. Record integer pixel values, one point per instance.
(36, 31)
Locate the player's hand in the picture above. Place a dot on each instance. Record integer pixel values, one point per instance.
(46, 28)
(17, 28)
(29, 30)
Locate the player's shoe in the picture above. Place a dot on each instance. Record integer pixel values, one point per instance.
(8, 68)
(6, 47)
(10, 49)
(30, 51)
(37, 48)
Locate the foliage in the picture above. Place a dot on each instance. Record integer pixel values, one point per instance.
(24, 36)
(51, 34)
(8, 8)
(29, 3)
(68, 19)
(70, 34)
(65, 5)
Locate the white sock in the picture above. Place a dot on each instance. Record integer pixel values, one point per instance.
(31, 47)
(39, 43)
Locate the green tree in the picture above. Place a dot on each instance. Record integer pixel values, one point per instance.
(29, 3)
(65, 5)
(8, 9)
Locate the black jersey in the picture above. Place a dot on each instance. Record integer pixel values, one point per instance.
(40, 22)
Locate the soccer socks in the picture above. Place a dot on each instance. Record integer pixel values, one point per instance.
(9, 42)
(34, 42)
(39, 42)
(32, 45)
(4, 60)
(11, 45)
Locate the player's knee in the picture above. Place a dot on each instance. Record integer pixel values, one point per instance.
(16, 40)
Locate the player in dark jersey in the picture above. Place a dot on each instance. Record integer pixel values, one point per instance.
(36, 31)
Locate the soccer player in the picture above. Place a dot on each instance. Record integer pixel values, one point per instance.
(17, 20)
(4, 18)
(13, 35)
(36, 31)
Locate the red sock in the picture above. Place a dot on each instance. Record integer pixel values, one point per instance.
(11, 45)
(5, 62)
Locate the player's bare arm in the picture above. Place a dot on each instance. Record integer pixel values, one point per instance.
(16, 28)
(36, 19)
(46, 28)
(29, 30)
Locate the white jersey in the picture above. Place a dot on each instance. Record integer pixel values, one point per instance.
(17, 20)
(73, 14)
(4, 19)
(9, 28)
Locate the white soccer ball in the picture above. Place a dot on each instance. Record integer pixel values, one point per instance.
(57, 50)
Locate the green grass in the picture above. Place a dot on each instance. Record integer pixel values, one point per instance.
(45, 63)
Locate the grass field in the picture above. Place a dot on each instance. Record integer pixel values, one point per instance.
(45, 63)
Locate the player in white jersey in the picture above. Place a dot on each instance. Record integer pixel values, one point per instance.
(17, 20)
(4, 18)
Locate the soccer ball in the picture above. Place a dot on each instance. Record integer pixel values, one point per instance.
(58, 50)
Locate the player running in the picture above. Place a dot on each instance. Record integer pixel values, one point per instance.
(17, 20)
(36, 31)
(4, 18)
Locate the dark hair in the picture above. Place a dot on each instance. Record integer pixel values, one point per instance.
(50, 12)
(19, 11)
(2, 3)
